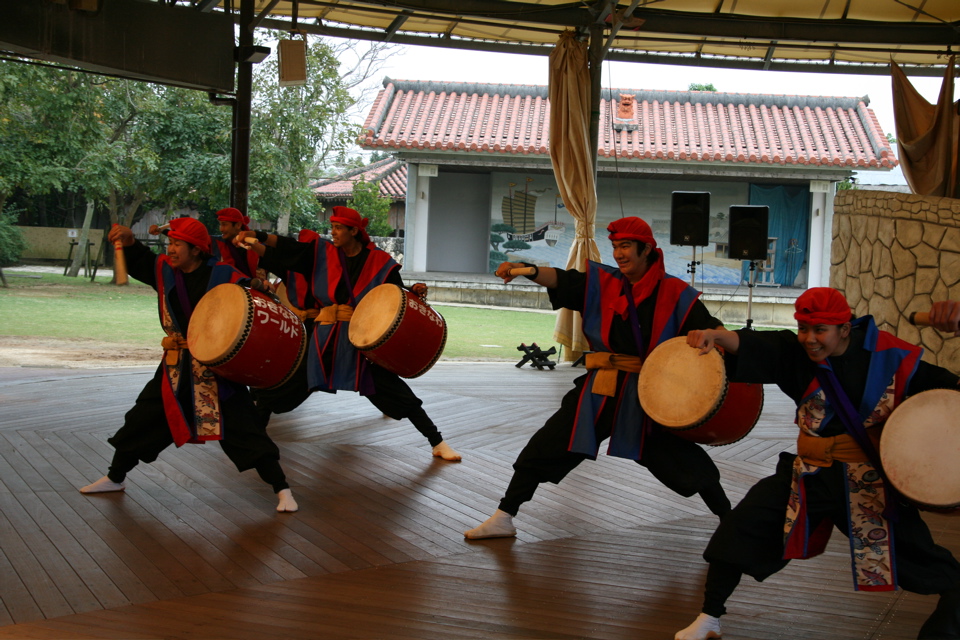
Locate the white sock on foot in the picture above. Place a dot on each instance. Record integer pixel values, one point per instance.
(103, 485)
(499, 525)
(444, 451)
(703, 627)
(286, 502)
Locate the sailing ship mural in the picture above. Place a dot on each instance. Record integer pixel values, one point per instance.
(519, 231)
(519, 208)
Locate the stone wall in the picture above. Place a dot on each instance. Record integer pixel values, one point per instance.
(393, 246)
(895, 253)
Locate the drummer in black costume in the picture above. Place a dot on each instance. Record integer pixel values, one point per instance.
(627, 311)
(338, 274)
(846, 377)
(185, 401)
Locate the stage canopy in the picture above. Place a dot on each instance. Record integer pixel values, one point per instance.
(830, 36)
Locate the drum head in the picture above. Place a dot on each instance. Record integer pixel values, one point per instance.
(920, 447)
(375, 316)
(218, 322)
(678, 387)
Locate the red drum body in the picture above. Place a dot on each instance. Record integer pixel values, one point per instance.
(919, 449)
(398, 331)
(688, 394)
(246, 336)
(736, 416)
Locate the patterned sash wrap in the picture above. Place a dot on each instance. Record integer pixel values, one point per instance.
(347, 369)
(872, 548)
(605, 298)
(204, 421)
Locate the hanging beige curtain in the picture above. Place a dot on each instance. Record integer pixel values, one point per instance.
(572, 157)
(927, 135)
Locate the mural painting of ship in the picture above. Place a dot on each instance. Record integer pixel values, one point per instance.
(518, 210)
(549, 233)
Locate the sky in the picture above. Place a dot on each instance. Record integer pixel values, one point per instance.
(453, 65)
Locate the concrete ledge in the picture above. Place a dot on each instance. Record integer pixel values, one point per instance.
(481, 289)
(769, 307)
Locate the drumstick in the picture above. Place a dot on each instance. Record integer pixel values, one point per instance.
(154, 230)
(522, 271)
(248, 242)
(119, 263)
(920, 318)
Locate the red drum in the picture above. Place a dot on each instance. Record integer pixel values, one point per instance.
(919, 449)
(246, 336)
(689, 395)
(398, 331)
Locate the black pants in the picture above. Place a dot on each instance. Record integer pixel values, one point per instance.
(145, 433)
(682, 466)
(749, 541)
(393, 397)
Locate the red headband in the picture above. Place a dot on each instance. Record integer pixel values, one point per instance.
(822, 305)
(233, 215)
(192, 231)
(632, 228)
(349, 217)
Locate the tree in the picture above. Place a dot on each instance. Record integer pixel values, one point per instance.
(192, 141)
(47, 129)
(299, 130)
(515, 245)
(694, 86)
(369, 204)
(496, 239)
(71, 130)
(121, 144)
(12, 242)
(120, 168)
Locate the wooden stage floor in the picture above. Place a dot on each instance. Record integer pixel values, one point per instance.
(193, 549)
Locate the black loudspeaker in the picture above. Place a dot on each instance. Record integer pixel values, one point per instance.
(690, 218)
(748, 232)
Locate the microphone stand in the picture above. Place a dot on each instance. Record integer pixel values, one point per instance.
(753, 273)
(692, 267)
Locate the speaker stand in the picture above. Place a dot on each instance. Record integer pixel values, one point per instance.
(692, 267)
(750, 285)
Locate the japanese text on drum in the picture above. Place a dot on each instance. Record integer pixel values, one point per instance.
(424, 310)
(269, 312)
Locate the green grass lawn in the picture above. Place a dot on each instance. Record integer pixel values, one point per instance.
(56, 306)
(483, 333)
(60, 307)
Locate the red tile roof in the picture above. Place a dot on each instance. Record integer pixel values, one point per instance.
(390, 173)
(663, 125)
